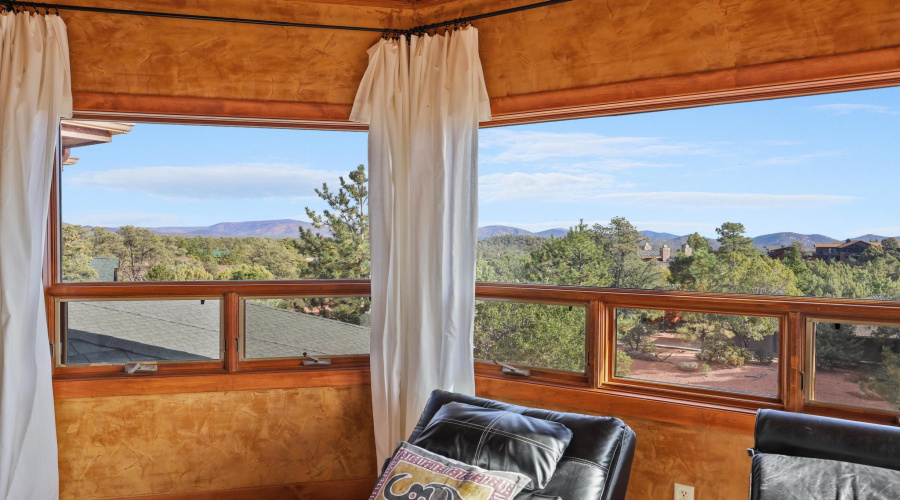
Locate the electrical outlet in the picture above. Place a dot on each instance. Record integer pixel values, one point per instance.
(684, 492)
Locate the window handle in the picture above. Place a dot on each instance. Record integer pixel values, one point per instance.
(310, 360)
(512, 370)
(132, 368)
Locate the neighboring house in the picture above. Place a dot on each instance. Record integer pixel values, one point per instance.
(107, 268)
(779, 251)
(180, 330)
(662, 254)
(842, 251)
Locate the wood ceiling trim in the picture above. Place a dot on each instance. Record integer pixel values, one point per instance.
(859, 70)
(208, 111)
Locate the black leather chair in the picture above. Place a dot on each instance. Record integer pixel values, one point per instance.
(596, 464)
(797, 456)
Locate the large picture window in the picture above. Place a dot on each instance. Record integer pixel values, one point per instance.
(159, 202)
(779, 197)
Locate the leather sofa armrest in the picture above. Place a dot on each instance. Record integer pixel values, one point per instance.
(796, 434)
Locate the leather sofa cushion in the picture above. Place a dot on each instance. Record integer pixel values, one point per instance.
(497, 439)
(595, 466)
(812, 436)
(799, 478)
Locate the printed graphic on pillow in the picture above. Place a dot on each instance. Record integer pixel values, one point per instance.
(417, 474)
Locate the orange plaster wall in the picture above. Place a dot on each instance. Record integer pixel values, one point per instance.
(587, 43)
(714, 461)
(114, 447)
(172, 57)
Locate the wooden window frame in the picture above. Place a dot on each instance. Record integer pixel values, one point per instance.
(230, 294)
(244, 364)
(539, 373)
(644, 386)
(825, 408)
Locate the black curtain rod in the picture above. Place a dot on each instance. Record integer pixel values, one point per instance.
(13, 5)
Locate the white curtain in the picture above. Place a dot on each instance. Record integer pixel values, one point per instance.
(35, 92)
(423, 102)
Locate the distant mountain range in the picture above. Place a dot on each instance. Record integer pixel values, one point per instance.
(288, 228)
(491, 231)
(281, 228)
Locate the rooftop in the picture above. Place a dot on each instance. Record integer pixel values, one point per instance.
(178, 330)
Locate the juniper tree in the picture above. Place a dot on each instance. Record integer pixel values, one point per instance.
(338, 245)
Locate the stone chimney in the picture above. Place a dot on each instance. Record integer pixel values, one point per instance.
(647, 247)
(664, 253)
(687, 250)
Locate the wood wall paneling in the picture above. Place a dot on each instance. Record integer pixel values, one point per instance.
(114, 447)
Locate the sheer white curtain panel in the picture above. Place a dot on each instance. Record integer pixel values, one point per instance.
(423, 102)
(35, 93)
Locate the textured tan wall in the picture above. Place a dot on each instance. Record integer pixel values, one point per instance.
(594, 42)
(138, 445)
(172, 57)
(714, 461)
(578, 44)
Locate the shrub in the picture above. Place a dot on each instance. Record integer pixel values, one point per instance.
(705, 369)
(764, 356)
(623, 364)
(724, 353)
(640, 337)
(837, 346)
(885, 381)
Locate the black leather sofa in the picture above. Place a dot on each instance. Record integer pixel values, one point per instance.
(797, 456)
(596, 464)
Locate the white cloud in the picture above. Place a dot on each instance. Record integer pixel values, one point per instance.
(600, 188)
(531, 146)
(218, 182)
(847, 108)
(553, 186)
(796, 159)
(609, 165)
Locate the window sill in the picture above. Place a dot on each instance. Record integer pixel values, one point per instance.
(119, 384)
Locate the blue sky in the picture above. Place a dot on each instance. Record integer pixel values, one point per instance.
(819, 164)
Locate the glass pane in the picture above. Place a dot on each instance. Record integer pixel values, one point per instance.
(122, 331)
(538, 335)
(745, 198)
(165, 202)
(857, 365)
(293, 327)
(716, 351)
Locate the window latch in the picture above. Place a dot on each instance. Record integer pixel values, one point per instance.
(512, 370)
(310, 360)
(132, 368)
